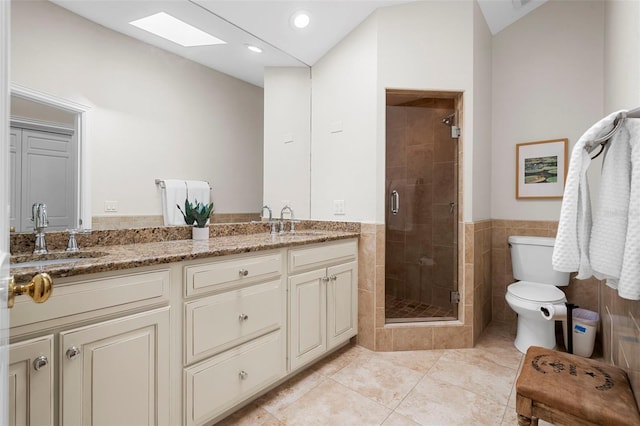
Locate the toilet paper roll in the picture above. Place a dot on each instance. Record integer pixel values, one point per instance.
(553, 312)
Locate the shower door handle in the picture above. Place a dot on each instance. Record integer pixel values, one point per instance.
(395, 202)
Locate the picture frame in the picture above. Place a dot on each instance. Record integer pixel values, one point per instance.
(541, 169)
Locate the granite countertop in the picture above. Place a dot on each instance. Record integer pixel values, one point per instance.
(97, 258)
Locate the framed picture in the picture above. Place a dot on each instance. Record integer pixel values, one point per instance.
(541, 168)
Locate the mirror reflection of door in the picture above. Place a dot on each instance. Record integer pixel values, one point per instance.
(44, 164)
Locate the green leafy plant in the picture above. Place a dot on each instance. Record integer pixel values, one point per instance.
(196, 212)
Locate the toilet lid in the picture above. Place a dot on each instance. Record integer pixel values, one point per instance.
(536, 291)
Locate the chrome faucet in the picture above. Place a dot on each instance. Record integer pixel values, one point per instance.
(271, 222)
(282, 219)
(40, 221)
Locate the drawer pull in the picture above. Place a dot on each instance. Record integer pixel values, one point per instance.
(243, 375)
(243, 272)
(333, 278)
(72, 353)
(325, 279)
(243, 317)
(40, 362)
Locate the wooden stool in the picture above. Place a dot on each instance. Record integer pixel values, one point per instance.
(571, 390)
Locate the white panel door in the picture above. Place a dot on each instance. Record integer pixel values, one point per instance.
(31, 382)
(342, 303)
(116, 372)
(4, 201)
(308, 323)
(49, 165)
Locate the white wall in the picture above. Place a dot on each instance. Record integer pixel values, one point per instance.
(481, 147)
(547, 84)
(421, 48)
(622, 55)
(411, 46)
(154, 114)
(287, 140)
(344, 109)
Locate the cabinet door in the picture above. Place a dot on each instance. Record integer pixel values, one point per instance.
(31, 382)
(308, 324)
(342, 303)
(116, 372)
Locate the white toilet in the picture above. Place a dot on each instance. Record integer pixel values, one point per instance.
(537, 285)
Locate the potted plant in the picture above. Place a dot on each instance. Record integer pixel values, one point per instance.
(197, 214)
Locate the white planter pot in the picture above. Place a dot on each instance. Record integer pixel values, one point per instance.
(200, 233)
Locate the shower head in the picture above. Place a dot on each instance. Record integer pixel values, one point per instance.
(448, 120)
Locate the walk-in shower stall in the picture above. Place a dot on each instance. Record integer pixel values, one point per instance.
(421, 183)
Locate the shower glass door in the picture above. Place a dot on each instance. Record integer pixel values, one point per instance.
(421, 208)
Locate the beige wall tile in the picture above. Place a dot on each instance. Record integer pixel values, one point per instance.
(412, 338)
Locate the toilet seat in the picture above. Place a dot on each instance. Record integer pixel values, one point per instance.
(528, 291)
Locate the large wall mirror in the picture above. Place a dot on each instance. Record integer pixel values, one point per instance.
(152, 115)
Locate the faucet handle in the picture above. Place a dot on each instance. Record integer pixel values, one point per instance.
(72, 245)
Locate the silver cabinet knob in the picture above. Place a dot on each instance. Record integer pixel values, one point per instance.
(40, 362)
(333, 278)
(73, 352)
(243, 317)
(243, 374)
(243, 272)
(325, 279)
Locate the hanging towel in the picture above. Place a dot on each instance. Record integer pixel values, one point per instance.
(608, 234)
(198, 190)
(571, 249)
(629, 284)
(615, 244)
(174, 192)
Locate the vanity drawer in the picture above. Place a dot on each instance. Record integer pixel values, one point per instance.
(304, 259)
(81, 299)
(224, 274)
(223, 381)
(224, 320)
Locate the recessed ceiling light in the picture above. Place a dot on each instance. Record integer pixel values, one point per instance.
(166, 26)
(253, 48)
(300, 19)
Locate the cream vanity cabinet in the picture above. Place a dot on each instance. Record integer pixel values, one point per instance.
(323, 306)
(112, 361)
(234, 332)
(31, 382)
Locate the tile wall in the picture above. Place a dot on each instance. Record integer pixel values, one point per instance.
(621, 334)
(374, 334)
(142, 221)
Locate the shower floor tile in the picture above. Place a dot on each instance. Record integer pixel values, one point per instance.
(396, 308)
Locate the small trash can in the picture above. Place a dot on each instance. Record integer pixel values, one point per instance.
(585, 325)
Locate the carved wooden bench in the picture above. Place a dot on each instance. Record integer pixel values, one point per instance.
(570, 390)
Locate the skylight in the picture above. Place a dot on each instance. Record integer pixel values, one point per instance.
(166, 26)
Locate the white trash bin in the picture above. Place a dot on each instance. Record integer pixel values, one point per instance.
(585, 325)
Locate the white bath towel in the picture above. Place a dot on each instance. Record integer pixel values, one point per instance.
(629, 283)
(608, 234)
(174, 193)
(198, 190)
(615, 244)
(571, 250)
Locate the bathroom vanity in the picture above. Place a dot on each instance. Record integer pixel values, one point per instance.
(179, 332)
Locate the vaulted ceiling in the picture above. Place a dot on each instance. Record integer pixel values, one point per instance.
(265, 24)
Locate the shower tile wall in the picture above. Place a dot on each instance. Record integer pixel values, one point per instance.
(421, 242)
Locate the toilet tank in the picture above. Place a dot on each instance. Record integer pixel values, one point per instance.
(531, 261)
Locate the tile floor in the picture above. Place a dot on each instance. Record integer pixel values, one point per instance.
(396, 308)
(355, 386)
